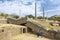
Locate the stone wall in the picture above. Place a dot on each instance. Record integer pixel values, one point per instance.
(58, 35)
(7, 32)
(3, 21)
(35, 27)
(16, 21)
(11, 21)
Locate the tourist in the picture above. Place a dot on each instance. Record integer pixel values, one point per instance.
(40, 33)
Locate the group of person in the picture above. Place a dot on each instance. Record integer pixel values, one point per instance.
(42, 33)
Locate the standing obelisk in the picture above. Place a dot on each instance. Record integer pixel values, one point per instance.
(43, 14)
(19, 13)
(35, 10)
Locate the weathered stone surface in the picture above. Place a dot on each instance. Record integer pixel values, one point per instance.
(3, 21)
(7, 31)
(16, 21)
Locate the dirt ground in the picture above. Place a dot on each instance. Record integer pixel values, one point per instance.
(28, 36)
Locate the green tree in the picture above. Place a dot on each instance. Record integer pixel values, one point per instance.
(6, 15)
(16, 16)
(2, 14)
(54, 18)
(40, 17)
(30, 16)
(57, 19)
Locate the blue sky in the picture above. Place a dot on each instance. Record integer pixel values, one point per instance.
(26, 7)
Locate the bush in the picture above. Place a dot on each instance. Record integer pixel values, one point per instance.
(30, 16)
(2, 14)
(16, 17)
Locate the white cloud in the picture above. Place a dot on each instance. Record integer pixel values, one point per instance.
(19, 5)
(14, 7)
(52, 12)
(55, 1)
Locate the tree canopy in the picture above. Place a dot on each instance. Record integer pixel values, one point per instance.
(16, 16)
(30, 16)
(1, 14)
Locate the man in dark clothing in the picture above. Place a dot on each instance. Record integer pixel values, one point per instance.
(40, 33)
